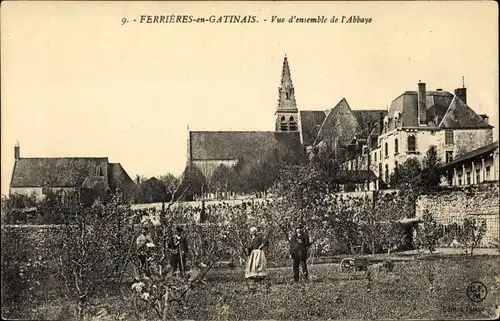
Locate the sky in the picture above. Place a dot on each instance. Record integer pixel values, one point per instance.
(78, 83)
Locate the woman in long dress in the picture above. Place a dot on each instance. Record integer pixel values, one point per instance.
(256, 263)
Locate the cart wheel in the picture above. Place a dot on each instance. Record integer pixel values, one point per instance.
(346, 264)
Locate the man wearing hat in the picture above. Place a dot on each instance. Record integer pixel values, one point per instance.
(178, 249)
(299, 246)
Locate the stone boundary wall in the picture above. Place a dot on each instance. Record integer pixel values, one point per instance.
(476, 201)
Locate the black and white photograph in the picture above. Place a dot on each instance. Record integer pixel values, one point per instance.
(250, 160)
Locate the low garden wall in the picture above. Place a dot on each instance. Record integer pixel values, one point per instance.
(452, 205)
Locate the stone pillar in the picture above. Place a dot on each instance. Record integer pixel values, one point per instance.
(473, 174)
(483, 170)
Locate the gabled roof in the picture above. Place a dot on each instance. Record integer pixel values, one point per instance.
(310, 123)
(459, 115)
(57, 172)
(118, 176)
(474, 153)
(233, 145)
(339, 126)
(368, 120)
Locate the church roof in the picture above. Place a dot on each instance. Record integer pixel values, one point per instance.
(233, 145)
(56, 172)
(339, 126)
(310, 123)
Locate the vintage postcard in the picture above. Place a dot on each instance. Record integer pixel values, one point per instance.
(249, 160)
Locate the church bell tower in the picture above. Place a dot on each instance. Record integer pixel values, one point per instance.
(287, 114)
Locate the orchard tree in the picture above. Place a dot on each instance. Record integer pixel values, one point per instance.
(94, 246)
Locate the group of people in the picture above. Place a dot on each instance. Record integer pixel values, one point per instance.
(177, 246)
(299, 248)
(256, 246)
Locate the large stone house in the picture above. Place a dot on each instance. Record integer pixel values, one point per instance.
(417, 120)
(39, 176)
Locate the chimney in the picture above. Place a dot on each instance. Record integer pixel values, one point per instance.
(422, 104)
(485, 118)
(462, 94)
(381, 121)
(17, 151)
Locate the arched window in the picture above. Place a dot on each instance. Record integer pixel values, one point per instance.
(412, 143)
(386, 147)
(283, 124)
(287, 95)
(292, 124)
(396, 147)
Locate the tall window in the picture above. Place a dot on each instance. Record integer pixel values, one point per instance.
(487, 178)
(380, 170)
(448, 137)
(412, 144)
(469, 178)
(287, 95)
(459, 179)
(396, 147)
(386, 148)
(375, 157)
(386, 173)
(292, 124)
(283, 124)
(478, 176)
(449, 156)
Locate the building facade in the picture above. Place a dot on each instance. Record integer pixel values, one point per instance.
(475, 167)
(417, 121)
(38, 177)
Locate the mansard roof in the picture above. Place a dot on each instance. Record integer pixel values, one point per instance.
(444, 110)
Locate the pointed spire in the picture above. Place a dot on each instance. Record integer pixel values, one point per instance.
(286, 99)
(286, 78)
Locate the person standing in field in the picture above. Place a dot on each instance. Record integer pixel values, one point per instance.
(256, 263)
(143, 240)
(299, 247)
(178, 251)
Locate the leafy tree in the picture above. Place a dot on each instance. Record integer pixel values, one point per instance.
(431, 168)
(152, 190)
(429, 233)
(171, 183)
(193, 182)
(471, 234)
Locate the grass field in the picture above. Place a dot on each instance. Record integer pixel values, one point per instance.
(419, 289)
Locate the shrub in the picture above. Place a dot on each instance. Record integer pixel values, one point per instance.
(429, 232)
(471, 234)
